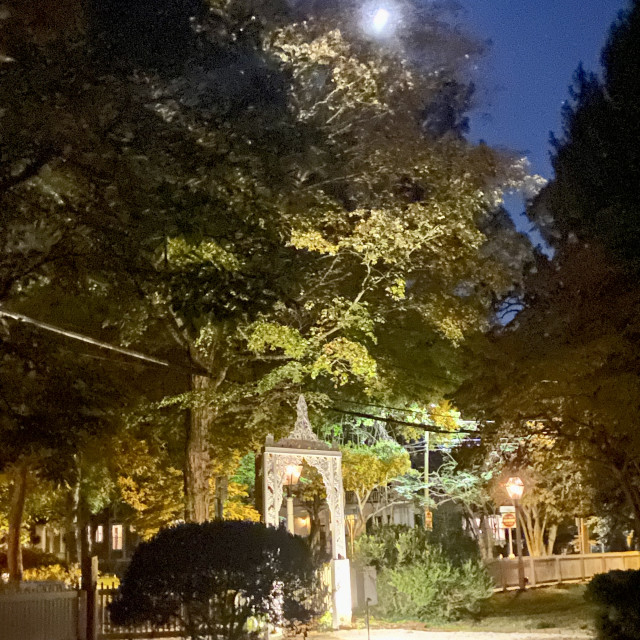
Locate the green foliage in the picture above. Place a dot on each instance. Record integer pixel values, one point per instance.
(617, 596)
(595, 194)
(288, 229)
(417, 579)
(213, 577)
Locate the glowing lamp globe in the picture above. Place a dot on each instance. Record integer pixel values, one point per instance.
(292, 474)
(515, 488)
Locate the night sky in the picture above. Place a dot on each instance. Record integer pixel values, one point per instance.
(523, 81)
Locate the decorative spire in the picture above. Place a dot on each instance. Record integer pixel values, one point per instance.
(302, 430)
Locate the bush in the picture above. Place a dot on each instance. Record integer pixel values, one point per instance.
(31, 559)
(69, 575)
(617, 596)
(214, 577)
(417, 579)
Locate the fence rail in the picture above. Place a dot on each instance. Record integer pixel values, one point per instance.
(558, 569)
(109, 631)
(33, 615)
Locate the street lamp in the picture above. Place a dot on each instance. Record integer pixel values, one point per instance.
(515, 489)
(292, 475)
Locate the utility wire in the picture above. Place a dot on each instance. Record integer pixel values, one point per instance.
(73, 335)
(437, 414)
(425, 427)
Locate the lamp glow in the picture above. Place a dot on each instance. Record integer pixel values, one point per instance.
(515, 488)
(292, 474)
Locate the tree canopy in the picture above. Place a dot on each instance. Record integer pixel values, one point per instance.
(265, 196)
(567, 363)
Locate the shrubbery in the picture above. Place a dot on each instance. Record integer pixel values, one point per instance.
(617, 595)
(69, 575)
(214, 577)
(417, 579)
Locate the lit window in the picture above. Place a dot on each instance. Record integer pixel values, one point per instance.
(99, 533)
(116, 536)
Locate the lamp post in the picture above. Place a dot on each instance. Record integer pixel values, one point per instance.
(350, 519)
(292, 475)
(515, 489)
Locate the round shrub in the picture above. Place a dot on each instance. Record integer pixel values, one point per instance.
(214, 577)
(617, 596)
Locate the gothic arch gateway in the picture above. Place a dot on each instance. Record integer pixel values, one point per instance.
(302, 445)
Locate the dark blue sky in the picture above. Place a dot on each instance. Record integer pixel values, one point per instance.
(525, 77)
(537, 45)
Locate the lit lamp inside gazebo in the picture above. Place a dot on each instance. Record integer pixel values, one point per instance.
(292, 475)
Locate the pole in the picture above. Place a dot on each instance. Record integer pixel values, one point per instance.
(368, 629)
(290, 522)
(521, 580)
(426, 481)
(510, 534)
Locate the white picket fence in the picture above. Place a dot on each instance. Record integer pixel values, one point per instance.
(55, 615)
(546, 570)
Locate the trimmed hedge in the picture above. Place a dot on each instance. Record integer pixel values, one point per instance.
(214, 577)
(617, 596)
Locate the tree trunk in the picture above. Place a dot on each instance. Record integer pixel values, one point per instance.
(72, 537)
(553, 532)
(222, 492)
(631, 494)
(16, 511)
(486, 547)
(197, 458)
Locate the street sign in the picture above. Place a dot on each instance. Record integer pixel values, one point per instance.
(509, 520)
(507, 509)
(428, 520)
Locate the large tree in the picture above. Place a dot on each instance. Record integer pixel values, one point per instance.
(269, 196)
(569, 359)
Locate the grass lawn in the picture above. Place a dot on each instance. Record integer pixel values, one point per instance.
(560, 607)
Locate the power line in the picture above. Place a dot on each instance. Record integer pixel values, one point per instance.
(437, 414)
(425, 427)
(73, 335)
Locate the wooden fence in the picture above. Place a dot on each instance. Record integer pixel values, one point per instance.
(107, 630)
(546, 570)
(54, 615)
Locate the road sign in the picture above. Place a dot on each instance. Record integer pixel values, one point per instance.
(507, 509)
(428, 520)
(509, 520)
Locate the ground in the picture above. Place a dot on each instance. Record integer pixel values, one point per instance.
(410, 634)
(551, 613)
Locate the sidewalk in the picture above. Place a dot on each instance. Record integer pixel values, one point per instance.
(408, 634)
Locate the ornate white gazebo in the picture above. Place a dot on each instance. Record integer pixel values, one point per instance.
(303, 445)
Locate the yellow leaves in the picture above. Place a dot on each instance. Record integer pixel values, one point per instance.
(235, 507)
(312, 241)
(269, 336)
(397, 289)
(351, 318)
(365, 468)
(181, 254)
(330, 79)
(453, 318)
(156, 498)
(341, 358)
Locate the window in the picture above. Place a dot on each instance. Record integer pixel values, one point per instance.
(99, 533)
(116, 537)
